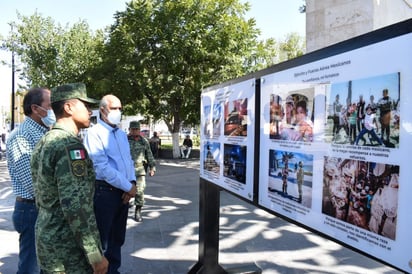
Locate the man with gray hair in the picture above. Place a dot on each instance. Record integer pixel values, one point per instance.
(108, 147)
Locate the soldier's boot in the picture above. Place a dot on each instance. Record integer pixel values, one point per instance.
(138, 214)
(300, 198)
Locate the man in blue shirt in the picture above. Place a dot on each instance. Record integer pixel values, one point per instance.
(20, 145)
(109, 150)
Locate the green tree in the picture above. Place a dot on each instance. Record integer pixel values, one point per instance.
(270, 52)
(286, 156)
(157, 56)
(161, 53)
(292, 47)
(265, 54)
(52, 55)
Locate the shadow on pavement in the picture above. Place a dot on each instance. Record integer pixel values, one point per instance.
(167, 239)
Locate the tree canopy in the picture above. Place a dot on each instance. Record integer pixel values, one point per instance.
(156, 57)
(163, 52)
(51, 54)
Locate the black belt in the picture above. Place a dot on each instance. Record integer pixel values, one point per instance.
(24, 200)
(107, 185)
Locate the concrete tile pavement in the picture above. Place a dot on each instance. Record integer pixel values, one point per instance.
(167, 239)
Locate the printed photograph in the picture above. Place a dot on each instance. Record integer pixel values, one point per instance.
(211, 157)
(364, 112)
(364, 194)
(236, 118)
(217, 119)
(290, 176)
(292, 116)
(234, 162)
(207, 122)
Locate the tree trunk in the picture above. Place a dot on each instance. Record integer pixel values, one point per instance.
(176, 145)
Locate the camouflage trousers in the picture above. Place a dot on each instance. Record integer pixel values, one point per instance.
(140, 185)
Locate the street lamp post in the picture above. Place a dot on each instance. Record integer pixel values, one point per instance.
(12, 87)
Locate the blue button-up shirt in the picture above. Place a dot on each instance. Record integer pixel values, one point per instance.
(109, 150)
(20, 145)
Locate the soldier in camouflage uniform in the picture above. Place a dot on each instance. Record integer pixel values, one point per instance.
(385, 111)
(67, 238)
(143, 159)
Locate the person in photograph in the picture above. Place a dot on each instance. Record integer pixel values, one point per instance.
(384, 207)
(289, 111)
(209, 160)
(356, 214)
(338, 190)
(369, 198)
(396, 121)
(369, 128)
(385, 107)
(276, 115)
(337, 107)
(348, 185)
(343, 121)
(285, 174)
(373, 104)
(352, 119)
(360, 110)
(299, 177)
(301, 129)
(304, 124)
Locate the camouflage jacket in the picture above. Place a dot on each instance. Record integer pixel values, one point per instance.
(141, 154)
(64, 181)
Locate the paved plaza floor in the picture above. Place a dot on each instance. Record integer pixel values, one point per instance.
(167, 241)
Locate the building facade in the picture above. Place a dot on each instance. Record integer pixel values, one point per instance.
(331, 21)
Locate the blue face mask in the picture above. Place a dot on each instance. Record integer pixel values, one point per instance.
(50, 119)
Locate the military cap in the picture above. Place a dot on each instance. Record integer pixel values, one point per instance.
(134, 124)
(71, 91)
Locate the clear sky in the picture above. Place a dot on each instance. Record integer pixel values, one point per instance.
(275, 19)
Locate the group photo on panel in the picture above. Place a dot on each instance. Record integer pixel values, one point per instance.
(365, 112)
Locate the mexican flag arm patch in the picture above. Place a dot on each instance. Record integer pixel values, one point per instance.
(77, 154)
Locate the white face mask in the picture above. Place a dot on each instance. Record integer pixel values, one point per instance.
(50, 119)
(114, 117)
